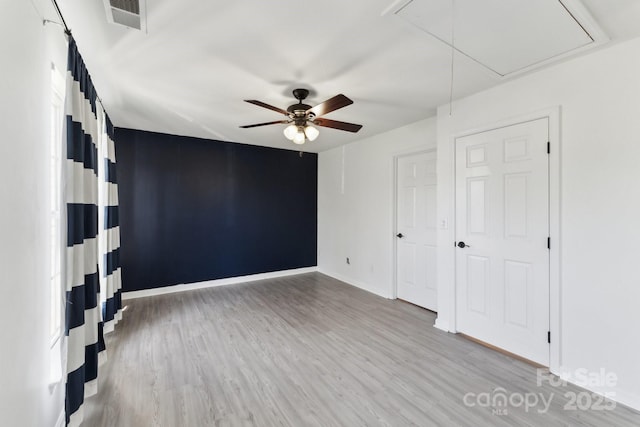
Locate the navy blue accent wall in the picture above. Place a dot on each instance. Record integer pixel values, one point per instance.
(194, 209)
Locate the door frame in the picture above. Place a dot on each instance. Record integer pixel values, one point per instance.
(396, 157)
(553, 116)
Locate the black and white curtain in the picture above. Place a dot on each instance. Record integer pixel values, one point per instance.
(109, 226)
(93, 237)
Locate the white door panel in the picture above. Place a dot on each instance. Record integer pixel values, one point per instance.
(502, 214)
(416, 220)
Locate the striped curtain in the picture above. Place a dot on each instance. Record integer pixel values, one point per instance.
(109, 235)
(86, 140)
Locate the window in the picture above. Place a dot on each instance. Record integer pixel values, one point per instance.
(55, 211)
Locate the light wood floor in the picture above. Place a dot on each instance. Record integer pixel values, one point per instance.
(309, 350)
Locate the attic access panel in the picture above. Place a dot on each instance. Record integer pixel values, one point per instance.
(506, 36)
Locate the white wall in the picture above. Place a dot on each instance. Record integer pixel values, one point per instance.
(599, 96)
(26, 51)
(358, 223)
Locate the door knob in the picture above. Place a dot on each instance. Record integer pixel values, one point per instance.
(399, 235)
(463, 245)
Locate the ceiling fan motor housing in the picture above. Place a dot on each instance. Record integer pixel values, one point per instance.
(299, 109)
(295, 108)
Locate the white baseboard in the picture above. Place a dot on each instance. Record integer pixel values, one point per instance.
(213, 283)
(628, 399)
(619, 396)
(441, 324)
(355, 283)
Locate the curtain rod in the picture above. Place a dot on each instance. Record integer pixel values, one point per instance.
(64, 23)
(67, 31)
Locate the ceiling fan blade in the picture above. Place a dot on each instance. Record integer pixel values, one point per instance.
(330, 105)
(334, 124)
(265, 124)
(270, 107)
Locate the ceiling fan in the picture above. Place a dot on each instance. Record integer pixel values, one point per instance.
(301, 117)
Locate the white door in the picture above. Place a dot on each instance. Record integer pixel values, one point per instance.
(502, 227)
(416, 229)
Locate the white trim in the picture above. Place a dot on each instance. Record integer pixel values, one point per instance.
(214, 283)
(57, 369)
(616, 395)
(394, 204)
(60, 421)
(441, 324)
(620, 397)
(395, 7)
(354, 283)
(394, 226)
(587, 21)
(58, 244)
(590, 27)
(553, 115)
(574, 8)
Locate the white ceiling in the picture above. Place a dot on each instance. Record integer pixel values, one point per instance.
(189, 73)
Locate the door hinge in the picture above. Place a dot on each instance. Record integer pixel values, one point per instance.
(548, 147)
(548, 242)
(549, 337)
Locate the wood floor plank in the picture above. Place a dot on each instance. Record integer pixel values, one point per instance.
(309, 350)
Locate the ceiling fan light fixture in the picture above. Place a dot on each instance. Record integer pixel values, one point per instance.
(299, 137)
(290, 131)
(302, 119)
(311, 133)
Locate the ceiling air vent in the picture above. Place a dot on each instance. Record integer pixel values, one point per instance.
(126, 12)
